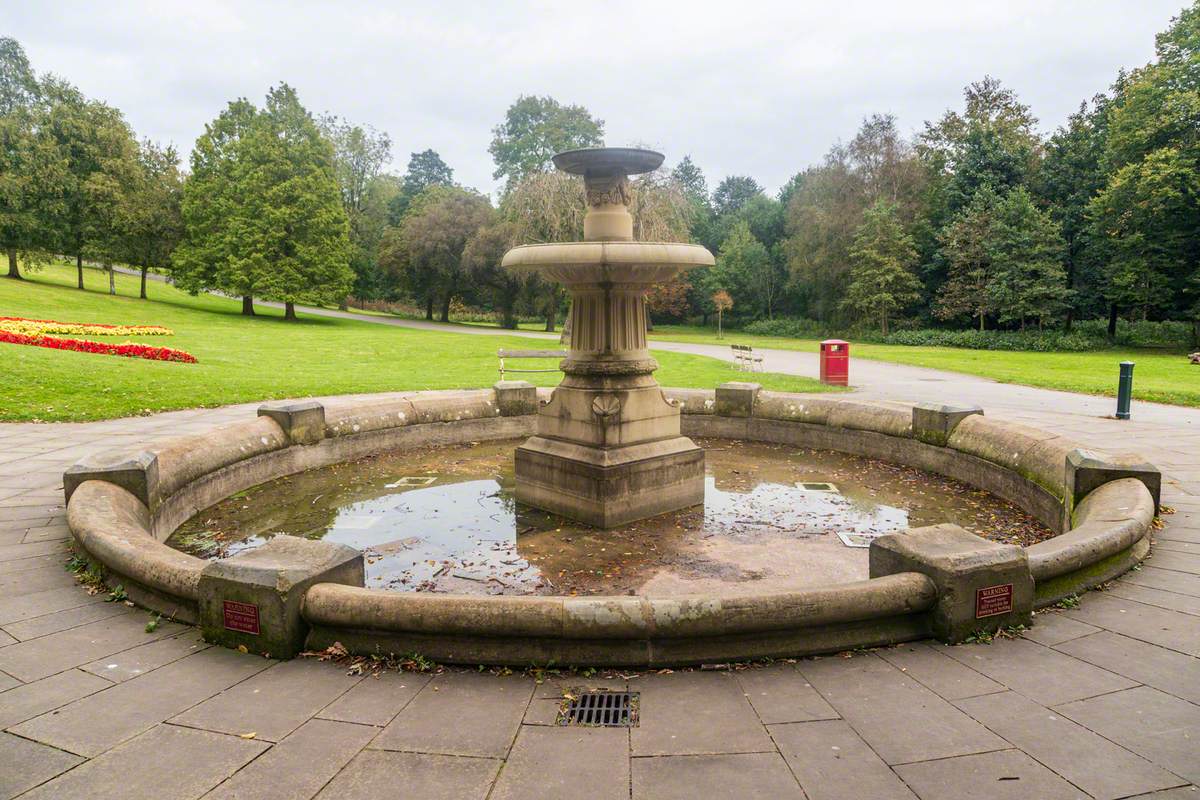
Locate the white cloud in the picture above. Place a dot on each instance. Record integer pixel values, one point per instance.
(760, 88)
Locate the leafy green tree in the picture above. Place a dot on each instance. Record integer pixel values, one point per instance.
(215, 206)
(425, 169)
(967, 246)
(152, 220)
(294, 241)
(428, 248)
(359, 156)
(1027, 276)
(733, 192)
(100, 155)
(481, 258)
(33, 172)
(740, 266)
(882, 281)
(534, 130)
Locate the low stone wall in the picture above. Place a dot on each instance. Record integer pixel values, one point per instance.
(933, 581)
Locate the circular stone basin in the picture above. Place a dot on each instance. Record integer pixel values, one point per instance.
(775, 518)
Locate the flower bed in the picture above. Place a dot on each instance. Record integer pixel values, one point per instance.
(129, 349)
(35, 327)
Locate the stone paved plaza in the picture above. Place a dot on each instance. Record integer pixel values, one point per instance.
(1101, 700)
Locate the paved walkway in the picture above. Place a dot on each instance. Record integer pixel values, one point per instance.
(1099, 701)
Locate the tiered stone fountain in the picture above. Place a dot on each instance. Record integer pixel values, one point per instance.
(608, 448)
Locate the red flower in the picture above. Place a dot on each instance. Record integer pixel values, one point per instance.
(130, 349)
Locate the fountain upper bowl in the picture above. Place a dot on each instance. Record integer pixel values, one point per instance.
(601, 162)
(603, 262)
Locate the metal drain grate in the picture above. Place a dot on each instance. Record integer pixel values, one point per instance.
(813, 486)
(602, 709)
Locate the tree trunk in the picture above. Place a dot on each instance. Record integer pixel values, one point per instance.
(13, 271)
(883, 319)
(344, 305)
(446, 308)
(429, 307)
(112, 279)
(247, 305)
(1070, 320)
(289, 311)
(79, 268)
(1195, 332)
(980, 321)
(1112, 321)
(145, 269)
(551, 319)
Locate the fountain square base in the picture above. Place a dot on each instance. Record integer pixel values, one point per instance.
(606, 487)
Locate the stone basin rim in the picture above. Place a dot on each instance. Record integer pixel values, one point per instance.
(121, 511)
(608, 253)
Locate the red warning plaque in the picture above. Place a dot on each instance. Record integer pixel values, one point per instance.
(242, 617)
(993, 600)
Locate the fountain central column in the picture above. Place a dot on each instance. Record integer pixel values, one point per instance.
(608, 448)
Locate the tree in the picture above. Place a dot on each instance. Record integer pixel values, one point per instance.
(425, 169)
(33, 173)
(882, 281)
(295, 238)
(214, 207)
(722, 302)
(739, 262)
(1028, 279)
(359, 156)
(100, 156)
(481, 258)
(534, 130)
(691, 180)
(733, 192)
(431, 241)
(152, 219)
(967, 246)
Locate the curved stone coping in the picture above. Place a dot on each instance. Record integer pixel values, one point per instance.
(120, 519)
(618, 617)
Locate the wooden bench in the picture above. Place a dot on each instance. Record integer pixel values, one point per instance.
(518, 354)
(747, 360)
(1194, 358)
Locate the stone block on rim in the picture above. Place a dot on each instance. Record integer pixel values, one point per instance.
(1088, 470)
(736, 398)
(253, 599)
(303, 422)
(933, 423)
(137, 474)
(982, 586)
(516, 398)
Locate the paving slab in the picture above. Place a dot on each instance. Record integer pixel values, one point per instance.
(100, 721)
(25, 764)
(1155, 725)
(65, 620)
(296, 768)
(1170, 629)
(746, 776)
(146, 657)
(51, 576)
(1175, 560)
(781, 694)
(1172, 672)
(1102, 769)
(1004, 775)
(1043, 675)
(37, 562)
(376, 699)
(271, 704)
(460, 713)
(693, 713)
(1171, 601)
(46, 655)
(938, 672)
(31, 699)
(1165, 579)
(374, 774)
(832, 762)
(1051, 628)
(29, 604)
(571, 763)
(886, 706)
(164, 763)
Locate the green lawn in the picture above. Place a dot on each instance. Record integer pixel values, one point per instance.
(1160, 376)
(245, 359)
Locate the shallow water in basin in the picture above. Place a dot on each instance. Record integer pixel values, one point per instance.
(444, 520)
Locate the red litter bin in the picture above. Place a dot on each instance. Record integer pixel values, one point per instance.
(835, 362)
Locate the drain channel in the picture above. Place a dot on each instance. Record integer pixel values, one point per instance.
(602, 709)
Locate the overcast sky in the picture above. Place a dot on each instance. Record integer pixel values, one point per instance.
(758, 88)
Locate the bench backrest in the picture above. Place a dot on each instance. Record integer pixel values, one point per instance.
(532, 354)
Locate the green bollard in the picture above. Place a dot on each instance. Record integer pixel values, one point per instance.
(1125, 390)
